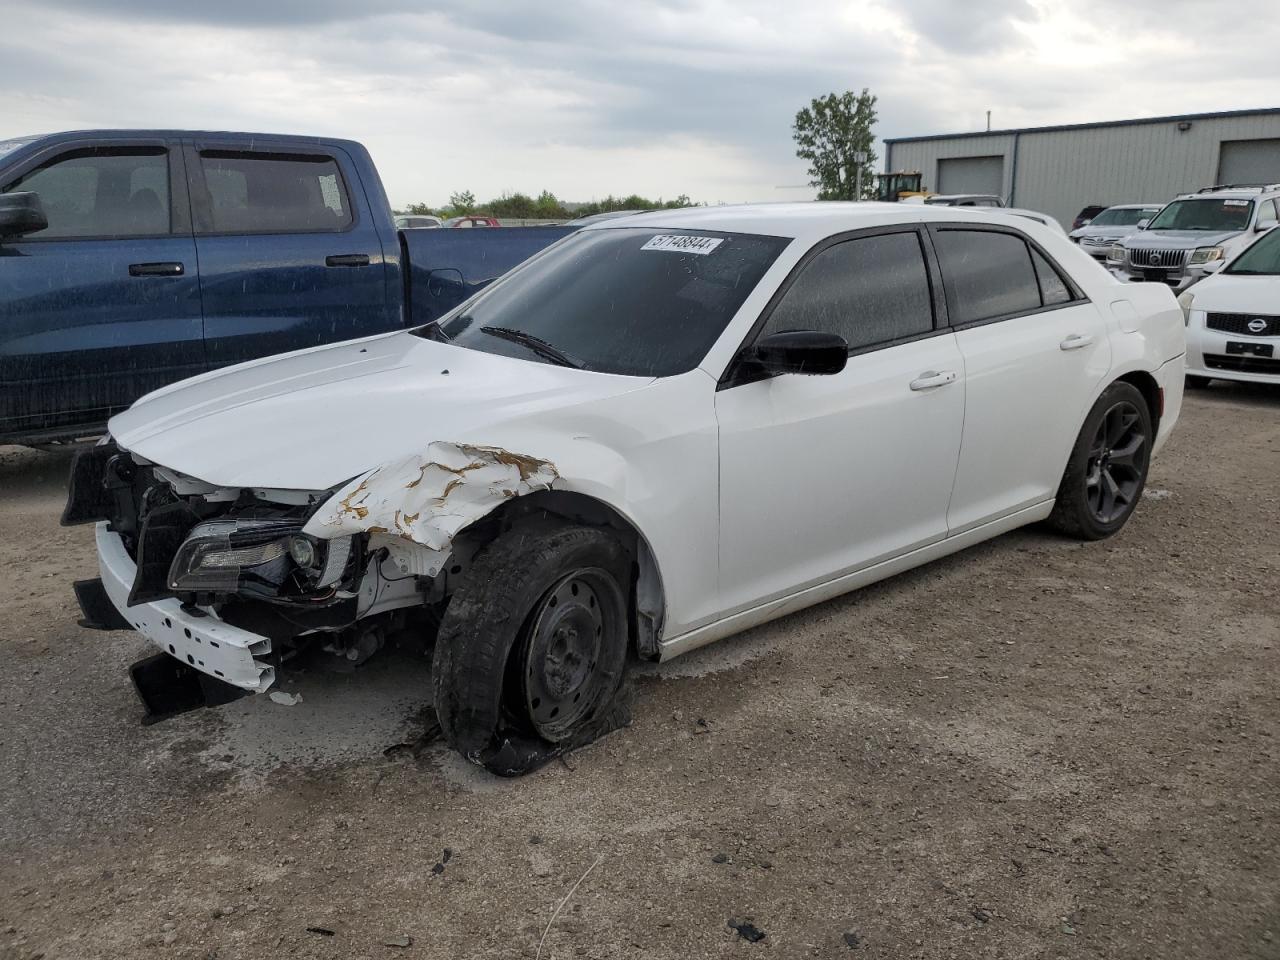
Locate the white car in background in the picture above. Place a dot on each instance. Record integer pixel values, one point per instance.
(657, 432)
(1110, 226)
(1233, 319)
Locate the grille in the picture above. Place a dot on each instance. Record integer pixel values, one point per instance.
(1239, 323)
(1098, 241)
(1164, 259)
(1218, 361)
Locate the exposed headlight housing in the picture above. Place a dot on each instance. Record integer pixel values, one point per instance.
(1206, 255)
(1116, 254)
(1185, 301)
(257, 558)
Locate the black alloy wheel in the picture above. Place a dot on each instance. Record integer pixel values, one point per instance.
(1117, 464)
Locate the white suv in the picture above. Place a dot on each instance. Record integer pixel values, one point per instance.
(1196, 229)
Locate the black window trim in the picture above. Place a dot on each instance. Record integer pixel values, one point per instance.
(1078, 296)
(179, 205)
(201, 208)
(736, 375)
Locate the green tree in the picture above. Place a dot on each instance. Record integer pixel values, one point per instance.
(462, 203)
(419, 209)
(830, 133)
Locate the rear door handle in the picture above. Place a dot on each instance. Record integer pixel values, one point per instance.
(156, 269)
(933, 379)
(1075, 342)
(347, 260)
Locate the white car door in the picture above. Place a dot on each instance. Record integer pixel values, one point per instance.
(820, 475)
(1034, 352)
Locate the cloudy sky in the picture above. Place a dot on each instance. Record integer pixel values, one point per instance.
(589, 97)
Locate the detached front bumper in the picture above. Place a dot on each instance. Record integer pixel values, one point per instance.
(191, 636)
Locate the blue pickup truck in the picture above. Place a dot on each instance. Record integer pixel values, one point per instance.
(133, 258)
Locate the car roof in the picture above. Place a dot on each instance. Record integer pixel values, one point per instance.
(1134, 206)
(807, 221)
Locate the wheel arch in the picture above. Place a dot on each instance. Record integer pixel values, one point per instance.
(1146, 385)
(647, 595)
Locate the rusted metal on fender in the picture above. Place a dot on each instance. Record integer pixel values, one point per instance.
(429, 496)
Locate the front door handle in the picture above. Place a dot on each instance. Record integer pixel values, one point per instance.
(932, 379)
(1075, 342)
(156, 269)
(347, 260)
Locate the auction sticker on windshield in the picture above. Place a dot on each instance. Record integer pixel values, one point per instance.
(1235, 203)
(680, 243)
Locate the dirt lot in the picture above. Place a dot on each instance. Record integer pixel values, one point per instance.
(1034, 749)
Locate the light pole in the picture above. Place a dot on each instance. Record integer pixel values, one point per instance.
(859, 159)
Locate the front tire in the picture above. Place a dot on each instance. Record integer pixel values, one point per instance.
(1107, 471)
(532, 650)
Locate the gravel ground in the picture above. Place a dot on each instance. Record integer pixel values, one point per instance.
(1034, 749)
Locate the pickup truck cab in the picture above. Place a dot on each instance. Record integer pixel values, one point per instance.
(132, 259)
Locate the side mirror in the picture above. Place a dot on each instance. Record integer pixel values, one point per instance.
(1086, 221)
(20, 214)
(1264, 225)
(799, 351)
(1142, 224)
(1213, 266)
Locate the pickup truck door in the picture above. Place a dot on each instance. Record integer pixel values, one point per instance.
(103, 305)
(290, 255)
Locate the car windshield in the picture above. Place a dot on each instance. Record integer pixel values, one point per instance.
(1261, 259)
(633, 301)
(1123, 216)
(1214, 215)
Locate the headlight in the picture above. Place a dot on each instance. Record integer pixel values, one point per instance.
(256, 557)
(1185, 301)
(1206, 255)
(1116, 254)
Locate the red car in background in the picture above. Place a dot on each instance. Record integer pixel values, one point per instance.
(471, 222)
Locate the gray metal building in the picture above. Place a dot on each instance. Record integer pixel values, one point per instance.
(1059, 170)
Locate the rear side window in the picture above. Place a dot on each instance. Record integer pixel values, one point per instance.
(868, 290)
(101, 192)
(273, 193)
(992, 275)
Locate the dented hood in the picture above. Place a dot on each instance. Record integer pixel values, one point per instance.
(313, 419)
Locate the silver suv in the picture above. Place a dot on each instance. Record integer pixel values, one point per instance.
(1195, 234)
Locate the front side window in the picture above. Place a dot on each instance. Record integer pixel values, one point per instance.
(1260, 259)
(101, 192)
(1206, 214)
(633, 301)
(273, 193)
(869, 290)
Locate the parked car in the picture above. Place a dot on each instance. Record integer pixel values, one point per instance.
(130, 259)
(658, 432)
(1036, 215)
(964, 200)
(1085, 216)
(471, 222)
(1233, 318)
(417, 221)
(1106, 229)
(1193, 231)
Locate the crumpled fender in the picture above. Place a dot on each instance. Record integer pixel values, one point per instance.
(428, 497)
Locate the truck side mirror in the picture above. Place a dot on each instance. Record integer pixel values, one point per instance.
(1142, 224)
(20, 214)
(1264, 225)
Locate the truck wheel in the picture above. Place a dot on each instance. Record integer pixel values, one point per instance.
(1108, 467)
(1196, 383)
(532, 649)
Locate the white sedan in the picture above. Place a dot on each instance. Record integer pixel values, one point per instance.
(656, 433)
(1233, 319)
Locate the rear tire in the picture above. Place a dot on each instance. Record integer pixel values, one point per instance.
(1197, 383)
(532, 649)
(1107, 471)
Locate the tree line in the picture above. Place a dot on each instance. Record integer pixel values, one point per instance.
(545, 206)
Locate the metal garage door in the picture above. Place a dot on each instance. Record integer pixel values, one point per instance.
(1249, 161)
(971, 175)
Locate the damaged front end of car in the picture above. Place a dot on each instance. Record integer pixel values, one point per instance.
(230, 583)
